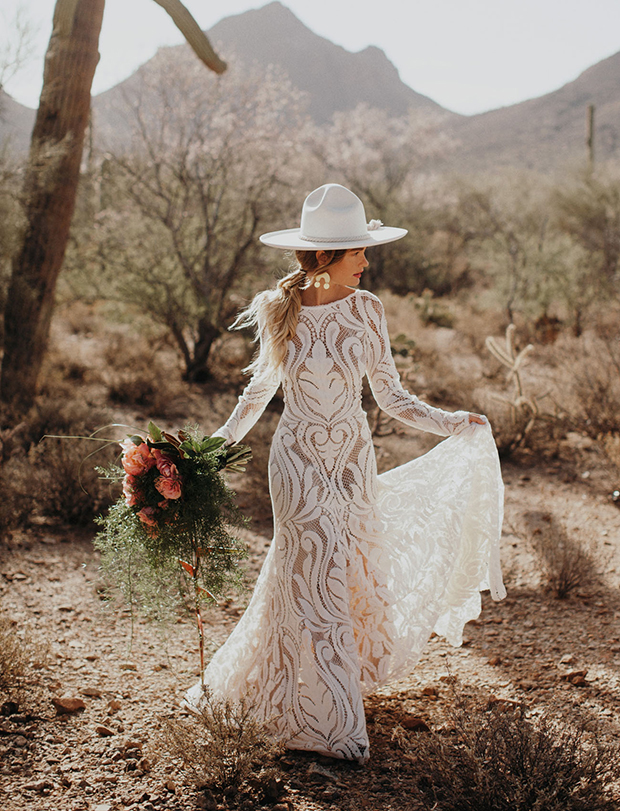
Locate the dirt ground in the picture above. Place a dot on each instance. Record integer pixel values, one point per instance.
(532, 648)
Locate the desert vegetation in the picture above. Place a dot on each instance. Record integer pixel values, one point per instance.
(502, 300)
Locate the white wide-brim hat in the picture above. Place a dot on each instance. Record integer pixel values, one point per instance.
(333, 218)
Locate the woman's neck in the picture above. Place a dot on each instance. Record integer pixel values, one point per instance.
(313, 296)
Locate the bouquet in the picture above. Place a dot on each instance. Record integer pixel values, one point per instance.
(169, 534)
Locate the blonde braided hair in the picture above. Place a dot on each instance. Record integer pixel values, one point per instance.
(273, 314)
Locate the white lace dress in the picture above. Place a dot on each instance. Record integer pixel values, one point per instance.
(362, 568)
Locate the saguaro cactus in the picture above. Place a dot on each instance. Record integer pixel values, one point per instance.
(51, 181)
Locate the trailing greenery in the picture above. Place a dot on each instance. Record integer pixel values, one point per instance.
(160, 551)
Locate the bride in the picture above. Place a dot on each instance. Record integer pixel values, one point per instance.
(362, 568)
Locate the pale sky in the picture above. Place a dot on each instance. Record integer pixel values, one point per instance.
(467, 55)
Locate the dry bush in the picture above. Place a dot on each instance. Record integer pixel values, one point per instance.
(139, 373)
(226, 750)
(588, 383)
(568, 566)
(52, 477)
(66, 485)
(231, 353)
(17, 501)
(13, 657)
(498, 759)
(611, 447)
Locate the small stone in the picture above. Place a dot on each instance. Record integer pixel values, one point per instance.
(128, 666)
(207, 801)
(90, 692)
(317, 771)
(135, 744)
(20, 741)
(414, 723)
(576, 678)
(144, 764)
(68, 706)
(170, 786)
(103, 731)
(430, 692)
(114, 706)
(567, 659)
(40, 786)
(9, 708)
(102, 807)
(495, 660)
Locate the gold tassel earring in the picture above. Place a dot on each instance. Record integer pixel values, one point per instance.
(324, 277)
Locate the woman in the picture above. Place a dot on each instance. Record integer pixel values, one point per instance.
(362, 568)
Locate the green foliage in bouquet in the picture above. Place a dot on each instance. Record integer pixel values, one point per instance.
(169, 536)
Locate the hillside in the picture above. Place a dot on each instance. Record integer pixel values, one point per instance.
(334, 78)
(16, 123)
(541, 133)
(548, 131)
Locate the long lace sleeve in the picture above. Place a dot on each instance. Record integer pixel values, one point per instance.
(251, 404)
(388, 390)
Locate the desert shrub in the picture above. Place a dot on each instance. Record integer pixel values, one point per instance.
(13, 656)
(65, 485)
(17, 501)
(433, 312)
(611, 447)
(498, 759)
(52, 477)
(227, 750)
(139, 373)
(590, 368)
(567, 565)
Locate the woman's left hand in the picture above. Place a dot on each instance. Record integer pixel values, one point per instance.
(478, 419)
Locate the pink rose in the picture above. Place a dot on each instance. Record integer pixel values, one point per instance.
(137, 459)
(130, 491)
(165, 464)
(170, 488)
(146, 515)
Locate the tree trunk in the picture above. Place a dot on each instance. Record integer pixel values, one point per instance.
(197, 371)
(50, 187)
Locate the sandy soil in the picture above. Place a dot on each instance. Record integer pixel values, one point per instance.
(108, 755)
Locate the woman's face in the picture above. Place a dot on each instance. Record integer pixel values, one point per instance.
(349, 269)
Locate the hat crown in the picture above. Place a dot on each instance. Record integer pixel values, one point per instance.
(333, 213)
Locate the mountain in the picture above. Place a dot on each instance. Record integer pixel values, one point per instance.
(541, 133)
(334, 78)
(16, 122)
(548, 131)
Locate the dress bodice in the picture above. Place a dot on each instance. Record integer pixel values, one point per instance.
(325, 364)
(335, 345)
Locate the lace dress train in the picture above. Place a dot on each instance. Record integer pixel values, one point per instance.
(362, 568)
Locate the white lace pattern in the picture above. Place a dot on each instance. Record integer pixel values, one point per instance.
(362, 568)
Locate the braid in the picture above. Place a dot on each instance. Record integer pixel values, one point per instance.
(273, 314)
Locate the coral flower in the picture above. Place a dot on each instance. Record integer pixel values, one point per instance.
(137, 459)
(130, 491)
(165, 464)
(147, 516)
(170, 488)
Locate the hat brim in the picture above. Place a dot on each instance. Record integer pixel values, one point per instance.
(290, 239)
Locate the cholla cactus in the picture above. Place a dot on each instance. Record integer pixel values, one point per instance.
(524, 409)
